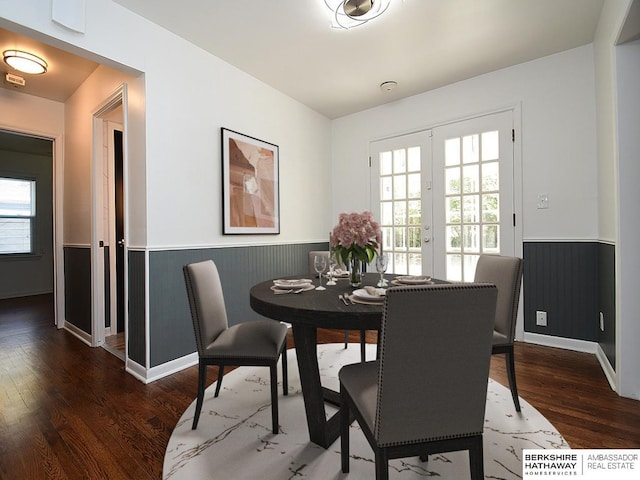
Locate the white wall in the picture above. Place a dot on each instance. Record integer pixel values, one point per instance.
(628, 333)
(557, 99)
(79, 111)
(606, 34)
(184, 110)
(26, 113)
(618, 103)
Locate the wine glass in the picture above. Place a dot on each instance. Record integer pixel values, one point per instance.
(319, 264)
(333, 263)
(382, 261)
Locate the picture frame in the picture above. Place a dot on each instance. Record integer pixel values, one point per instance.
(250, 185)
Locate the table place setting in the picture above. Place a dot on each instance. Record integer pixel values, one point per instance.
(297, 285)
(338, 273)
(412, 280)
(368, 296)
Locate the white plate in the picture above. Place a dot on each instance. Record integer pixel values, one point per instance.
(294, 283)
(363, 294)
(413, 279)
(304, 288)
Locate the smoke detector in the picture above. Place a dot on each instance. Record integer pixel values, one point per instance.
(388, 86)
(14, 80)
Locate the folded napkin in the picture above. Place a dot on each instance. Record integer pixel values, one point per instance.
(375, 292)
(295, 281)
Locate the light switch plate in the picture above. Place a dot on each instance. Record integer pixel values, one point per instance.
(543, 200)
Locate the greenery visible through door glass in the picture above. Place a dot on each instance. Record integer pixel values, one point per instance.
(452, 181)
(490, 208)
(414, 180)
(490, 176)
(399, 187)
(471, 178)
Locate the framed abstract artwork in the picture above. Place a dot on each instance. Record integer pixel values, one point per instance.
(249, 185)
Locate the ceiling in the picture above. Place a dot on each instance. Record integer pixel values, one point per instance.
(421, 44)
(288, 44)
(66, 72)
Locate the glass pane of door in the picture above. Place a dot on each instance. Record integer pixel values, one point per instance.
(400, 194)
(473, 185)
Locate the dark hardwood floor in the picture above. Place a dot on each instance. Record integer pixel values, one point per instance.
(70, 411)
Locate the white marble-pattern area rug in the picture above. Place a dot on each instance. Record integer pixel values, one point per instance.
(234, 441)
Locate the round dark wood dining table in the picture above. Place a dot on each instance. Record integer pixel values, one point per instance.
(306, 312)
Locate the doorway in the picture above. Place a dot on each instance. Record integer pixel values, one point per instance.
(28, 212)
(114, 246)
(445, 196)
(109, 264)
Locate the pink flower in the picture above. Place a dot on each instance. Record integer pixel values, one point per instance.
(357, 234)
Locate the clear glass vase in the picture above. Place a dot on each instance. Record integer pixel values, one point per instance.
(355, 273)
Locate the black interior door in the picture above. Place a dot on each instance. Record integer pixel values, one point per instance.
(119, 201)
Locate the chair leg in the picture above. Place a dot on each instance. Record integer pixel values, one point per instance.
(511, 373)
(476, 459)
(219, 382)
(273, 369)
(344, 433)
(285, 371)
(382, 463)
(363, 345)
(346, 338)
(202, 373)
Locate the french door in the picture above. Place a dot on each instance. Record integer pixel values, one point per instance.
(401, 200)
(445, 196)
(472, 193)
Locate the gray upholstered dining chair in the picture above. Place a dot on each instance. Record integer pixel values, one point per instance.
(312, 271)
(427, 392)
(253, 343)
(506, 274)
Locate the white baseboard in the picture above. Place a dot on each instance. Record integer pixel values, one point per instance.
(136, 370)
(561, 342)
(82, 335)
(607, 368)
(156, 373)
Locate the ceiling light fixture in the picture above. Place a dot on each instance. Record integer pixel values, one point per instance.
(351, 13)
(25, 62)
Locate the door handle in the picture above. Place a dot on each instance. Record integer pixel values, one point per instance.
(121, 243)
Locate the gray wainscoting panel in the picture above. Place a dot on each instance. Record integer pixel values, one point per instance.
(136, 290)
(607, 300)
(171, 331)
(77, 287)
(561, 279)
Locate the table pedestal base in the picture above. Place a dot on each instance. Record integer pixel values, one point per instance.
(322, 431)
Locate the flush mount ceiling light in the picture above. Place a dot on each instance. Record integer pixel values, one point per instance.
(351, 13)
(25, 62)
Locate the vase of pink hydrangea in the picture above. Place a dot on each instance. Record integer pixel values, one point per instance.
(355, 241)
